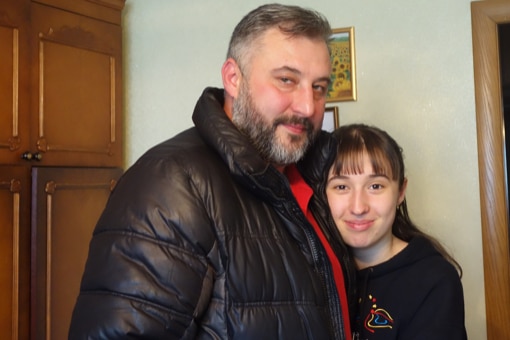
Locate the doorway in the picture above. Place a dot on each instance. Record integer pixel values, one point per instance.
(504, 64)
(487, 17)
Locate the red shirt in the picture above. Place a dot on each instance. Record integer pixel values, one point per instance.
(303, 194)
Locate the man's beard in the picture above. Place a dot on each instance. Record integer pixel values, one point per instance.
(263, 135)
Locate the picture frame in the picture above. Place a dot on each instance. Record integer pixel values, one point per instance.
(343, 66)
(331, 121)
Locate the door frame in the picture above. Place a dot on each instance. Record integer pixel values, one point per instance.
(485, 17)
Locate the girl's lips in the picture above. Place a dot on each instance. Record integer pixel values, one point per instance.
(359, 225)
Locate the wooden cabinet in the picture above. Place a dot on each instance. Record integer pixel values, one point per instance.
(14, 79)
(61, 86)
(61, 151)
(66, 204)
(14, 251)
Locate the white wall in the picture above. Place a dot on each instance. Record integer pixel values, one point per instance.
(414, 78)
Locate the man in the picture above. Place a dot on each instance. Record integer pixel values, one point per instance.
(209, 235)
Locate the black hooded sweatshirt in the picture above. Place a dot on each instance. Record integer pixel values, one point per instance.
(417, 294)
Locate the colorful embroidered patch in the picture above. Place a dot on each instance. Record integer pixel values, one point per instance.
(377, 318)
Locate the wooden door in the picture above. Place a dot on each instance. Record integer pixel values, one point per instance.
(14, 79)
(76, 89)
(66, 205)
(14, 251)
(485, 18)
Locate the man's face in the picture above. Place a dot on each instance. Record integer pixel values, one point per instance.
(280, 103)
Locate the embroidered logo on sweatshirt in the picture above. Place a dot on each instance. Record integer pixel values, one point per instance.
(377, 317)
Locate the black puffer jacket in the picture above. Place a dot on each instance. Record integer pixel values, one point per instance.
(202, 239)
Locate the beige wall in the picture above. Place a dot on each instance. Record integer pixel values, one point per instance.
(415, 79)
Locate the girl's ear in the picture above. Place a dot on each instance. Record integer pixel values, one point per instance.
(231, 75)
(402, 193)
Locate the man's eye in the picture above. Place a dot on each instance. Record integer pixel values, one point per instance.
(320, 89)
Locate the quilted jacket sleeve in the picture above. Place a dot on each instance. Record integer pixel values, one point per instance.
(144, 278)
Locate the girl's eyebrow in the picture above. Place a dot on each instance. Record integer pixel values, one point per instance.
(379, 175)
(346, 176)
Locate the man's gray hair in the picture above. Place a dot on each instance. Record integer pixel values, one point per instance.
(293, 21)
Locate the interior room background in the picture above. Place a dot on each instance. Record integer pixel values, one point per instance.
(414, 72)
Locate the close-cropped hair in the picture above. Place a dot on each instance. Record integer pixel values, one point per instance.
(293, 21)
(386, 157)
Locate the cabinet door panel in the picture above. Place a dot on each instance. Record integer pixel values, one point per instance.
(78, 86)
(13, 80)
(107, 10)
(67, 203)
(14, 250)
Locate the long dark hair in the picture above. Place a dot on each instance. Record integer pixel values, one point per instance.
(386, 157)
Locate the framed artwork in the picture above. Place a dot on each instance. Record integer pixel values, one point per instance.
(331, 120)
(343, 66)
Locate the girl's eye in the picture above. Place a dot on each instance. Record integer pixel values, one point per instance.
(340, 187)
(376, 186)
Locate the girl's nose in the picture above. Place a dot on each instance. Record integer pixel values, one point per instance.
(359, 204)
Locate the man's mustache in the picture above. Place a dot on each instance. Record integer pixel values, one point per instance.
(294, 120)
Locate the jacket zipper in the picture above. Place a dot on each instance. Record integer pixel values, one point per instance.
(334, 304)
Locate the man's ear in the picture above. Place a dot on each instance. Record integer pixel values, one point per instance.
(231, 75)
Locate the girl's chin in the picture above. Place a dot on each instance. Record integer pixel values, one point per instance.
(358, 244)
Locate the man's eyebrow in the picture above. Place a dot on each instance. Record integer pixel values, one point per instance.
(298, 72)
(325, 79)
(288, 69)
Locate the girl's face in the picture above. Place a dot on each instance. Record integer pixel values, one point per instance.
(364, 207)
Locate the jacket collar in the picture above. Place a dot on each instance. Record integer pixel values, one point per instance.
(243, 159)
(235, 149)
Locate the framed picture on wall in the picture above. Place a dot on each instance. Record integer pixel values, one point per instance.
(343, 66)
(331, 120)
